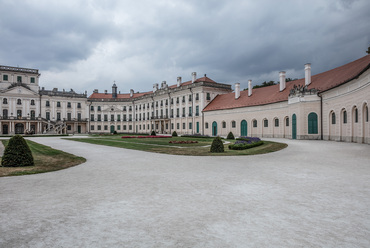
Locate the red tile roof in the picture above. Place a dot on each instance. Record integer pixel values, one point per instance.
(127, 95)
(271, 94)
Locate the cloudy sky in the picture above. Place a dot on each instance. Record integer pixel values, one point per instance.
(88, 44)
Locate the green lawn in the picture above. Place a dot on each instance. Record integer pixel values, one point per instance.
(162, 145)
(46, 159)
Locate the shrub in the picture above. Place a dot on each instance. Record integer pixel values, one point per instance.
(217, 145)
(17, 153)
(230, 136)
(174, 134)
(153, 133)
(197, 135)
(244, 145)
(115, 132)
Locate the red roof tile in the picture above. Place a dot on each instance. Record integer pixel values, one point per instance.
(271, 94)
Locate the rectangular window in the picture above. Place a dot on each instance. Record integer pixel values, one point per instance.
(99, 127)
(124, 127)
(190, 125)
(68, 104)
(78, 105)
(177, 112)
(105, 127)
(183, 125)
(208, 96)
(99, 117)
(32, 80)
(197, 96)
(99, 108)
(124, 117)
(190, 98)
(5, 77)
(79, 116)
(92, 127)
(166, 125)
(233, 124)
(105, 117)
(69, 116)
(178, 125)
(118, 127)
(183, 112)
(58, 104)
(172, 126)
(47, 104)
(19, 79)
(47, 115)
(196, 110)
(206, 125)
(92, 108)
(92, 117)
(58, 116)
(118, 117)
(69, 127)
(190, 111)
(130, 127)
(111, 117)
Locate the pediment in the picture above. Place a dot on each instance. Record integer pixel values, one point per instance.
(111, 108)
(19, 91)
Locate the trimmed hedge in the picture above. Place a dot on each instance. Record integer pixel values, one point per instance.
(230, 136)
(17, 153)
(153, 133)
(195, 136)
(174, 134)
(217, 145)
(243, 146)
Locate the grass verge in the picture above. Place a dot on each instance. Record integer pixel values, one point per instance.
(46, 159)
(202, 148)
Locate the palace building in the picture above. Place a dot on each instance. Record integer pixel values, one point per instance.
(332, 105)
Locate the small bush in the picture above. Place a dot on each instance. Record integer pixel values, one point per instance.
(217, 145)
(17, 153)
(245, 145)
(153, 133)
(174, 134)
(115, 132)
(230, 136)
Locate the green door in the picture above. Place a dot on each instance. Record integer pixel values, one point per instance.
(244, 128)
(214, 128)
(112, 129)
(294, 126)
(197, 127)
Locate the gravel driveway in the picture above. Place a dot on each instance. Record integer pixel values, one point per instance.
(311, 194)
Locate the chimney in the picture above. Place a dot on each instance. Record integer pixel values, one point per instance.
(282, 80)
(237, 90)
(249, 87)
(105, 92)
(96, 91)
(193, 77)
(163, 85)
(307, 74)
(178, 81)
(131, 93)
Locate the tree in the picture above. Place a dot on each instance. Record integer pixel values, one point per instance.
(230, 136)
(17, 153)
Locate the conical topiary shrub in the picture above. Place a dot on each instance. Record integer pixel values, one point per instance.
(230, 136)
(153, 133)
(174, 134)
(17, 153)
(217, 145)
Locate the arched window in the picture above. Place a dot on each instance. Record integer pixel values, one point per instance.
(19, 101)
(223, 124)
(5, 101)
(356, 115)
(32, 102)
(333, 118)
(254, 123)
(344, 116)
(312, 123)
(265, 123)
(276, 122)
(233, 124)
(366, 114)
(287, 121)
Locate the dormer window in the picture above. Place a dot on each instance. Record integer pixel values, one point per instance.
(32, 80)
(5, 77)
(19, 79)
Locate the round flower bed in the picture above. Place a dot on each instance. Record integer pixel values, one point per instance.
(243, 143)
(183, 142)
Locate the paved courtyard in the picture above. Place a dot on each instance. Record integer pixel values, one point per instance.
(311, 194)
